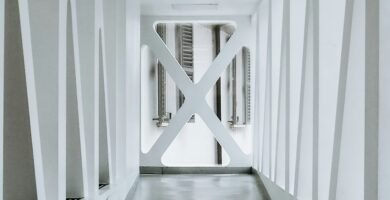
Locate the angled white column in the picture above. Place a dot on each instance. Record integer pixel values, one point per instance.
(372, 100)
(104, 137)
(110, 27)
(75, 145)
(22, 148)
(283, 126)
(2, 15)
(120, 91)
(384, 102)
(341, 98)
(44, 23)
(87, 52)
(133, 87)
(304, 170)
(267, 117)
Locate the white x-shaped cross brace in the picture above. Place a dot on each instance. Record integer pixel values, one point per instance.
(195, 97)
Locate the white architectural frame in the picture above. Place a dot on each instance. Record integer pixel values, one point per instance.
(195, 93)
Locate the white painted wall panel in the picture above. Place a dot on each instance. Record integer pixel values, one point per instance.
(277, 22)
(349, 181)
(44, 46)
(351, 171)
(44, 34)
(297, 20)
(384, 102)
(2, 16)
(331, 32)
(261, 75)
(133, 87)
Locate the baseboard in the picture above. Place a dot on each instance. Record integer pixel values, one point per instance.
(133, 189)
(270, 188)
(195, 170)
(121, 190)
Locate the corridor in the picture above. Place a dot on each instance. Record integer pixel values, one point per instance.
(197, 187)
(194, 99)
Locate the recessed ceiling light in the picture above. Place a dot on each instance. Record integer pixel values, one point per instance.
(195, 6)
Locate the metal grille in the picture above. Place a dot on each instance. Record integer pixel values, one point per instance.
(185, 55)
(161, 77)
(163, 117)
(186, 49)
(247, 67)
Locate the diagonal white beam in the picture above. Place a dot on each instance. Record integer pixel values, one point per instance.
(171, 65)
(223, 59)
(195, 97)
(169, 134)
(221, 134)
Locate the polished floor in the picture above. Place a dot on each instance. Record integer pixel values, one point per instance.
(197, 187)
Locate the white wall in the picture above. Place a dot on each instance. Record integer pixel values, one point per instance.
(54, 33)
(333, 106)
(384, 101)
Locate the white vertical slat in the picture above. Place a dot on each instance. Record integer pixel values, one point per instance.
(85, 19)
(316, 91)
(296, 50)
(2, 15)
(263, 53)
(287, 102)
(256, 130)
(301, 99)
(120, 91)
(63, 10)
(283, 127)
(267, 129)
(32, 97)
(277, 26)
(341, 98)
(111, 23)
(384, 102)
(109, 77)
(107, 99)
(269, 85)
(371, 100)
(80, 92)
(97, 21)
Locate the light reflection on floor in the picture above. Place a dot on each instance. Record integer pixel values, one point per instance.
(197, 187)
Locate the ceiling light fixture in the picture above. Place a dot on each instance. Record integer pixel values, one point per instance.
(195, 6)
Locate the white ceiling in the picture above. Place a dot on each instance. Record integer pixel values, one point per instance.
(198, 7)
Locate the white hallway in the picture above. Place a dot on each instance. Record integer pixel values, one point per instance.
(185, 99)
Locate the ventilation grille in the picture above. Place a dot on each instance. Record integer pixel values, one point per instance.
(186, 49)
(185, 55)
(247, 65)
(163, 117)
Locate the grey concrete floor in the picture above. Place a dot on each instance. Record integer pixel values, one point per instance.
(197, 187)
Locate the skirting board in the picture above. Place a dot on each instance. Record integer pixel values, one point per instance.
(195, 170)
(273, 190)
(133, 189)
